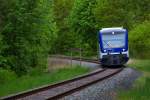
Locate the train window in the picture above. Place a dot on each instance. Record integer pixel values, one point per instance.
(113, 40)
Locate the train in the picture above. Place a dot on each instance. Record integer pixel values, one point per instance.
(113, 46)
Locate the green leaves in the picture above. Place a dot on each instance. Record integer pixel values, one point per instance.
(139, 40)
(82, 22)
(29, 32)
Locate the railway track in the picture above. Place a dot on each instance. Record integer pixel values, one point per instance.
(78, 59)
(62, 89)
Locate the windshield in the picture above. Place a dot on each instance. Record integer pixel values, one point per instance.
(113, 40)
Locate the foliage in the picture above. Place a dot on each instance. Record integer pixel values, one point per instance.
(124, 13)
(139, 92)
(140, 64)
(34, 80)
(28, 32)
(139, 40)
(141, 89)
(139, 10)
(65, 39)
(82, 22)
(110, 13)
(6, 76)
(129, 14)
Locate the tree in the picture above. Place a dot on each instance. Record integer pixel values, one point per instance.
(28, 32)
(5, 8)
(124, 13)
(140, 10)
(139, 40)
(82, 22)
(64, 39)
(110, 13)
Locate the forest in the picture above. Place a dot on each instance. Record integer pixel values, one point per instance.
(31, 30)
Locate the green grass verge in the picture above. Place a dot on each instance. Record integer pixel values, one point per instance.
(32, 81)
(141, 89)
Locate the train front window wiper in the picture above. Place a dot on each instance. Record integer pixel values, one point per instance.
(107, 44)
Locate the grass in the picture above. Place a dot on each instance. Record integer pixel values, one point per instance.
(32, 81)
(141, 89)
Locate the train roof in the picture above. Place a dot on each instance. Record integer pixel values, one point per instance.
(113, 29)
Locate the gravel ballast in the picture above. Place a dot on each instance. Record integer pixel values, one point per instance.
(107, 89)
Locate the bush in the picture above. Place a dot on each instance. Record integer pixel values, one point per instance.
(139, 40)
(28, 33)
(36, 71)
(6, 76)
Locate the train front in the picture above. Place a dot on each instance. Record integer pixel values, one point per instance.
(113, 44)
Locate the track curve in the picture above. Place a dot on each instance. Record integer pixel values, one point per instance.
(59, 90)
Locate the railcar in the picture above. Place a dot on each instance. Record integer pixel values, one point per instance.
(113, 46)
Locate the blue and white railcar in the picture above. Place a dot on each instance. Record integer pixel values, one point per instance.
(113, 43)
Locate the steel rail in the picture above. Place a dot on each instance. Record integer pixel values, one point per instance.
(36, 90)
(82, 87)
(48, 87)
